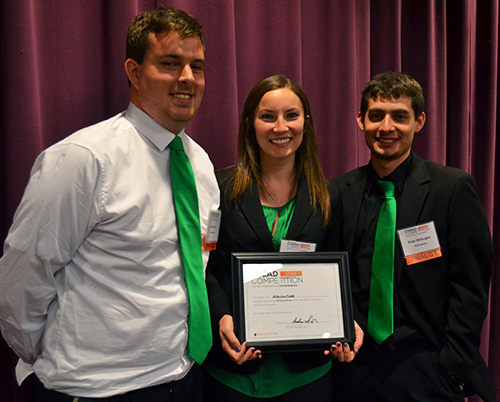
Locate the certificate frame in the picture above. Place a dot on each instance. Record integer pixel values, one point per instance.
(272, 330)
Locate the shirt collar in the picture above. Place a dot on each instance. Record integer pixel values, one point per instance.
(149, 128)
(398, 176)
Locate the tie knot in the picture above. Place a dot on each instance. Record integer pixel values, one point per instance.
(176, 144)
(387, 188)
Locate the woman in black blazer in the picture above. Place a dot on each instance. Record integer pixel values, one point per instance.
(276, 191)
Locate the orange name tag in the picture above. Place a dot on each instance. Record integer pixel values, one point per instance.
(208, 246)
(424, 256)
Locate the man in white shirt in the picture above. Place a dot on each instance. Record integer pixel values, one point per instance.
(92, 289)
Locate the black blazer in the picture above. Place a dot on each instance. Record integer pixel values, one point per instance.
(244, 229)
(446, 297)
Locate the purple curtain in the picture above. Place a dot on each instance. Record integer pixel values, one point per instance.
(62, 69)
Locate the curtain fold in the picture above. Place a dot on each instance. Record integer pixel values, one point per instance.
(62, 69)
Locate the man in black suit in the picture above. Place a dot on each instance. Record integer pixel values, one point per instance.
(442, 260)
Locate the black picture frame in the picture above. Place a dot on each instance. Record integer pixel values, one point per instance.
(334, 264)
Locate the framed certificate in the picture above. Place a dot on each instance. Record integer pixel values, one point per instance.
(293, 300)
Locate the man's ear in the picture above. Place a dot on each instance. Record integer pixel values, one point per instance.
(419, 123)
(132, 70)
(361, 121)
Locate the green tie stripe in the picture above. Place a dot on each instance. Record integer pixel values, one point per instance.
(381, 311)
(188, 224)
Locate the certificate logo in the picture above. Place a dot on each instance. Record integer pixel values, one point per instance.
(290, 273)
(280, 278)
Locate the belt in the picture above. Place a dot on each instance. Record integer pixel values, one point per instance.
(193, 377)
(52, 395)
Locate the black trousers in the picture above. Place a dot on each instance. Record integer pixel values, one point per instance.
(189, 389)
(408, 375)
(320, 390)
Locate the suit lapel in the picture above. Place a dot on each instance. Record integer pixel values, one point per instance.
(414, 195)
(411, 202)
(352, 199)
(304, 208)
(252, 210)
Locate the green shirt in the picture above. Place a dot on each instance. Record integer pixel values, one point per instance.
(273, 378)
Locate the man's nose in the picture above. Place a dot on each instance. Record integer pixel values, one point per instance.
(387, 124)
(186, 74)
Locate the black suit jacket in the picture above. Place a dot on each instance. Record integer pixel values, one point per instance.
(244, 229)
(446, 297)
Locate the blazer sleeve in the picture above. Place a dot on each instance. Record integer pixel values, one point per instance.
(470, 256)
(218, 271)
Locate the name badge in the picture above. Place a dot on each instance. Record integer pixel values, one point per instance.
(210, 240)
(420, 243)
(292, 245)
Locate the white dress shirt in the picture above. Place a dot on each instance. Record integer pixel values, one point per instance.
(92, 288)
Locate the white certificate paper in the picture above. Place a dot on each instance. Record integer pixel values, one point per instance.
(292, 301)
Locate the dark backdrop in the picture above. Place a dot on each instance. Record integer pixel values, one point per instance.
(61, 67)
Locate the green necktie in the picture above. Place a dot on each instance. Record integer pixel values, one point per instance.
(188, 224)
(380, 311)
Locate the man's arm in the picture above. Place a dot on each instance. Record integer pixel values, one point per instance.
(470, 266)
(49, 225)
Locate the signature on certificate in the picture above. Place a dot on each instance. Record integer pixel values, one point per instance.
(310, 320)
